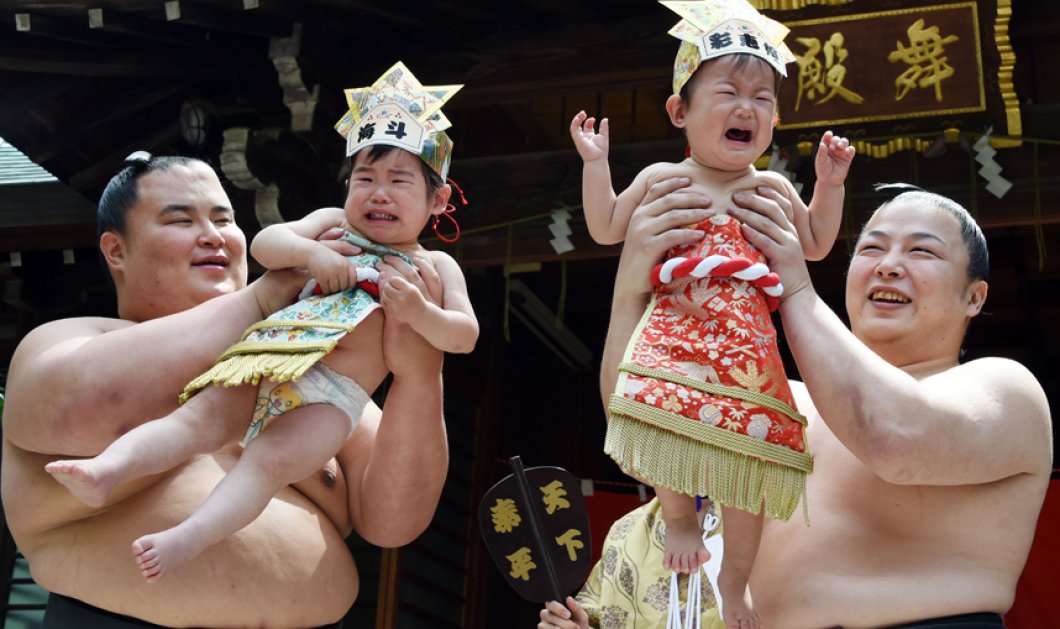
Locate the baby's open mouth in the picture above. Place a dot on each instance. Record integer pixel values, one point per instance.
(738, 135)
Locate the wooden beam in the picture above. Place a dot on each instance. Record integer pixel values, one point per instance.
(60, 29)
(345, 15)
(213, 17)
(35, 90)
(91, 180)
(519, 64)
(129, 64)
(158, 32)
(136, 100)
(52, 238)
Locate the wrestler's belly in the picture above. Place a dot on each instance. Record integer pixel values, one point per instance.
(289, 568)
(878, 554)
(828, 591)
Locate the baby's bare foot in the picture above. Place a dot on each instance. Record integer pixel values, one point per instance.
(737, 611)
(160, 554)
(684, 549)
(85, 480)
(738, 615)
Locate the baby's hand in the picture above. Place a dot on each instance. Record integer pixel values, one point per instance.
(332, 271)
(400, 299)
(833, 159)
(590, 144)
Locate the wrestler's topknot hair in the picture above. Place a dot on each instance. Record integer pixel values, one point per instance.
(971, 234)
(123, 190)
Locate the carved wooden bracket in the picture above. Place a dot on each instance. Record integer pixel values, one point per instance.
(235, 167)
(283, 51)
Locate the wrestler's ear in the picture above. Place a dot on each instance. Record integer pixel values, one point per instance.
(112, 246)
(976, 297)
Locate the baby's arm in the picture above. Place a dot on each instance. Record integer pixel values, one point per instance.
(294, 244)
(606, 215)
(818, 225)
(452, 327)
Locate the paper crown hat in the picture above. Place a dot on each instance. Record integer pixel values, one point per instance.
(713, 28)
(397, 110)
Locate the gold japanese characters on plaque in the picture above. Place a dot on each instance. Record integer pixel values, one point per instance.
(536, 528)
(922, 67)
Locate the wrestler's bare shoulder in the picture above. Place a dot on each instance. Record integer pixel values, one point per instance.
(1011, 383)
(999, 370)
(64, 330)
(45, 347)
(43, 353)
(1015, 390)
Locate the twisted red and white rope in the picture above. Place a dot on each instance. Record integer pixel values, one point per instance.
(755, 273)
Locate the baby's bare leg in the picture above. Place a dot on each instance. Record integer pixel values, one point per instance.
(206, 422)
(684, 548)
(742, 533)
(295, 445)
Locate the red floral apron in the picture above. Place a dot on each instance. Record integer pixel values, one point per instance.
(702, 404)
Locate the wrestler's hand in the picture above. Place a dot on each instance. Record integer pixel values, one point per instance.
(657, 225)
(556, 616)
(764, 215)
(401, 300)
(278, 289)
(405, 351)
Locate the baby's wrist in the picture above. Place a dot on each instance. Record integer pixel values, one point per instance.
(825, 183)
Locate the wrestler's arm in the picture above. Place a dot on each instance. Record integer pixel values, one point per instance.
(973, 423)
(77, 384)
(396, 461)
(656, 225)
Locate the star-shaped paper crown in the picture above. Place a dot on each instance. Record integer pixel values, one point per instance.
(712, 28)
(399, 111)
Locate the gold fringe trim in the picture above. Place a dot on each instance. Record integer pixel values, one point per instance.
(1005, 70)
(237, 369)
(247, 362)
(668, 450)
(792, 5)
(877, 151)
(705, 433)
